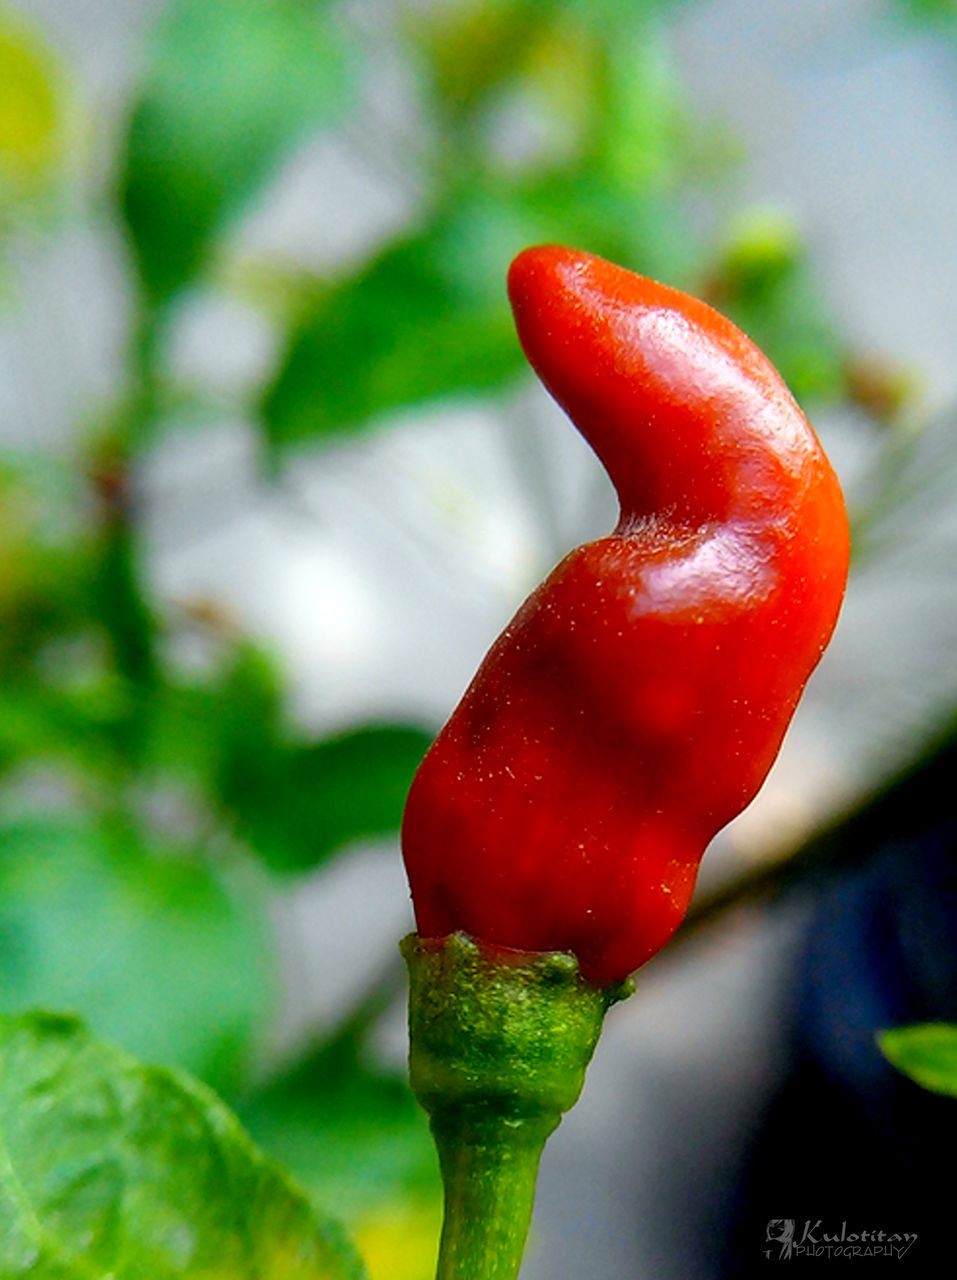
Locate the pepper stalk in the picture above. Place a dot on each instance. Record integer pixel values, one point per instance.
(499, 1044)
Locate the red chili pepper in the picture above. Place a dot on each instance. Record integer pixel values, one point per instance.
(637, 700)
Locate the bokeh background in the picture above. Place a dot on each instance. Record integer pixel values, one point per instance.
(274, 476)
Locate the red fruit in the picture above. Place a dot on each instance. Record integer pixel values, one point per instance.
(637, 700)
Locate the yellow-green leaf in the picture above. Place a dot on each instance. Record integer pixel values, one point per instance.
(927, 1052)
(110, 1167)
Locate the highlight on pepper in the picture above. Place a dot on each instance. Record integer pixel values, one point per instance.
(635, 703)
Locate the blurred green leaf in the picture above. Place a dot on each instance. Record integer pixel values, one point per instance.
(766, 283)
(639, 122)
(118, 602)
(349, 1131)
(429, 318)
(239, 716)
(471, 46)
(652, 235)
(299, 805)
(609, 15)
(230, 85)
(117, 593)
(44, 557)
(927, 1052)
(112, 1167)
(33, 115)
(293, 803)
(935, 13)
(69, 707)
(190, 731)
(42, 724)
(422, 321)
(164, 954)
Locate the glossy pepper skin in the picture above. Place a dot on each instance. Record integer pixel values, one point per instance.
(637, 700)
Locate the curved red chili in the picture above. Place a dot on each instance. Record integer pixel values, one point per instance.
(637, 700)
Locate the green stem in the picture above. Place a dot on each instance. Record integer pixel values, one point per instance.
(498, 1046)
(489, 1164)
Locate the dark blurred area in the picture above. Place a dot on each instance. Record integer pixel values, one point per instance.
(847, 1139)
(273, 475)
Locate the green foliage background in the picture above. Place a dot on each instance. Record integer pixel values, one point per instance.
(159, 935)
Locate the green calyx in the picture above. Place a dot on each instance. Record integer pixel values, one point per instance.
(499, 1044)
(510, 1031)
